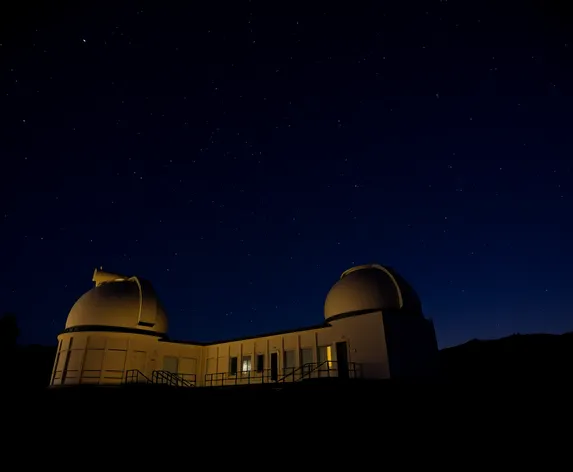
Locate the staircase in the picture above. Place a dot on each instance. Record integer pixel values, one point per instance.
(318, 370)
(159, 377)
(309, 372)
(135, 376)
(163, 377)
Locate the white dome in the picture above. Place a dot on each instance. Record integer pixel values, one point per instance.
(119, 302)
(370, 287)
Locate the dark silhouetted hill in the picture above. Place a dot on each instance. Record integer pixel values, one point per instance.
(27, 366)
(517, 357)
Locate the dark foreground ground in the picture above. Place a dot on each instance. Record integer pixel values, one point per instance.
(330, 425)
(490, 396)
(361, 394)
(526, 375)
(408, 413)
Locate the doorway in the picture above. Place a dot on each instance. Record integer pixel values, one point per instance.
(342, 360)
(274, 366)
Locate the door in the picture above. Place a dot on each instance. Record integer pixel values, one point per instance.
(274, 366)
(171, 364)
(342, 360)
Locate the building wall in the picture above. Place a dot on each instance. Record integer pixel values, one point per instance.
(364, 336)
(105, 357)
(189, 359)
(217, 363)
(366, 343)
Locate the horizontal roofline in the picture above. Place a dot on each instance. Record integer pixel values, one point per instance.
(164, 338)
(325, 324)
(112, 329)
(244, 338)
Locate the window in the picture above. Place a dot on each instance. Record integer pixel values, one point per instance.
(246, 364)
(171, 364)
(324, 355)
(307, 361)
(233, 365)
(290, 360)
(306, 356)
(260, 362)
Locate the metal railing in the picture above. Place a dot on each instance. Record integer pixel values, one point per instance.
(311, 370)
(191, 378)
(317, 370)
(160, 377)
(88, 376)
(222, 379)
(135, 376)
(163, 377)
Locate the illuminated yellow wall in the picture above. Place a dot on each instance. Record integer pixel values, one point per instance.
(370, 308)
(364, 336)
(366, 342)
(105, 357)
(386, 335)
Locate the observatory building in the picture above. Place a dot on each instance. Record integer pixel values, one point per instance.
(374, 328)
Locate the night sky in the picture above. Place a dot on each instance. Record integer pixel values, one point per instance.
(242, 155)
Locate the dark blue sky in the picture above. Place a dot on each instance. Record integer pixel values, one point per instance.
(242, 157)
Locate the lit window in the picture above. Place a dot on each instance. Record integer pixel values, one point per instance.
(246, 364)
(325, 357)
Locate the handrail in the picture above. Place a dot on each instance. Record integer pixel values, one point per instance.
(189, 378)
(133, 375)
(183, 381)
(305, 370)
(170, 378)
(160, 377)
(331, 370)
(220, 379)
(289, 374)
(313, 366)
